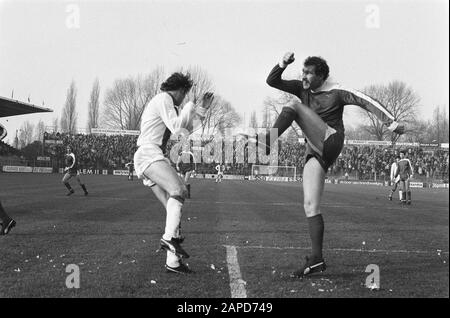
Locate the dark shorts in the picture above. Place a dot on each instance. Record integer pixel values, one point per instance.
(186, 167)
(404, 177)
(332, 147)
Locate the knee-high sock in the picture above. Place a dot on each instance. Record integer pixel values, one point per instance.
(316, 229)
(68, 186)
(400, 194)
(188, 187)
(84, 188)
(3, 216)
(283, 122)
(408, 193)
(173, 217)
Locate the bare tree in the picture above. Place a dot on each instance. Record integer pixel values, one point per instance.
(400, 100)
(125, 102)
(253, 120)
(69, 114)
(25, 134)
(39, 131)
(55, 124)
(220, 117)
(94, 105)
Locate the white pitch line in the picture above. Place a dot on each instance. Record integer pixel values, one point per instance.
(237, 284)
(342, 249)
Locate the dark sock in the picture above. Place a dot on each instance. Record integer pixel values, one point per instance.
(188, 186)
(409, 195)
(283, 122)
(84, 188)
(403, 196)
(316, 229)
(3, 216)
(68, 186)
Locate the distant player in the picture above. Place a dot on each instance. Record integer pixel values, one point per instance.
(130, 167)
(160, 119)
(219, 169)
(71, 170)
(186, 168)
(405, 172)
(7, 222)
(395, 179)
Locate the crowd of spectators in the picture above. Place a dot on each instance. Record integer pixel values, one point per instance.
(360, 162)
(374, 162)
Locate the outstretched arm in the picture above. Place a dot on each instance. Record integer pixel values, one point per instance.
(274, 79)
(354, 97)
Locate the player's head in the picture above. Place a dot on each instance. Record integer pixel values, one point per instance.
(177, 85)
(315, 72)
(68, 149)
(402, 154)
(397, 157)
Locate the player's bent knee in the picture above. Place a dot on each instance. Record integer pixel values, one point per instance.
(180, 192)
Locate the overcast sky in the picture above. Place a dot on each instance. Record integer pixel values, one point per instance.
(43, 46)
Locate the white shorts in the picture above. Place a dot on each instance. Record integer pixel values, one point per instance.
(144, 157)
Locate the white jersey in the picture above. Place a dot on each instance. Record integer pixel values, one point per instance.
(394, 169)
(219, 169)
(160, 119)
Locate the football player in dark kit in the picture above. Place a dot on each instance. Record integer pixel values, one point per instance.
(72, 171)
(318, 111)
(6, 222)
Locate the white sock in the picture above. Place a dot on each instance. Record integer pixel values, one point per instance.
(172, 260)
(400, 194)
(173, 218)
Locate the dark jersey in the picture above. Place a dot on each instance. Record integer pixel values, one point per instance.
(186, 162)
(329, 100)
(130, 167)
(404, 169)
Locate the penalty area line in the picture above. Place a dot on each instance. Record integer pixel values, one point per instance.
(237, 284)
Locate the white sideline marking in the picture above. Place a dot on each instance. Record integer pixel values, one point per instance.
(343, 249)
(237, 284)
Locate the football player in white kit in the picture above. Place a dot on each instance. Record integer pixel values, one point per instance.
(395, 179)
(160, 119)
(219, 169)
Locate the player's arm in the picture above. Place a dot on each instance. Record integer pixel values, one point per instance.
(274, 79)
(392, 172)
(72, 156)
(411, 168)
(353, 97)
(176, 124)
(178, 163)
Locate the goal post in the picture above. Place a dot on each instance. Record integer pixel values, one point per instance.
(274, 173)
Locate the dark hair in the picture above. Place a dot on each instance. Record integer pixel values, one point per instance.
(321, 66)
(397, 157)
(403, 152)
(177, 81)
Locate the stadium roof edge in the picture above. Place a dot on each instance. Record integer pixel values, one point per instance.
(12, 107)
